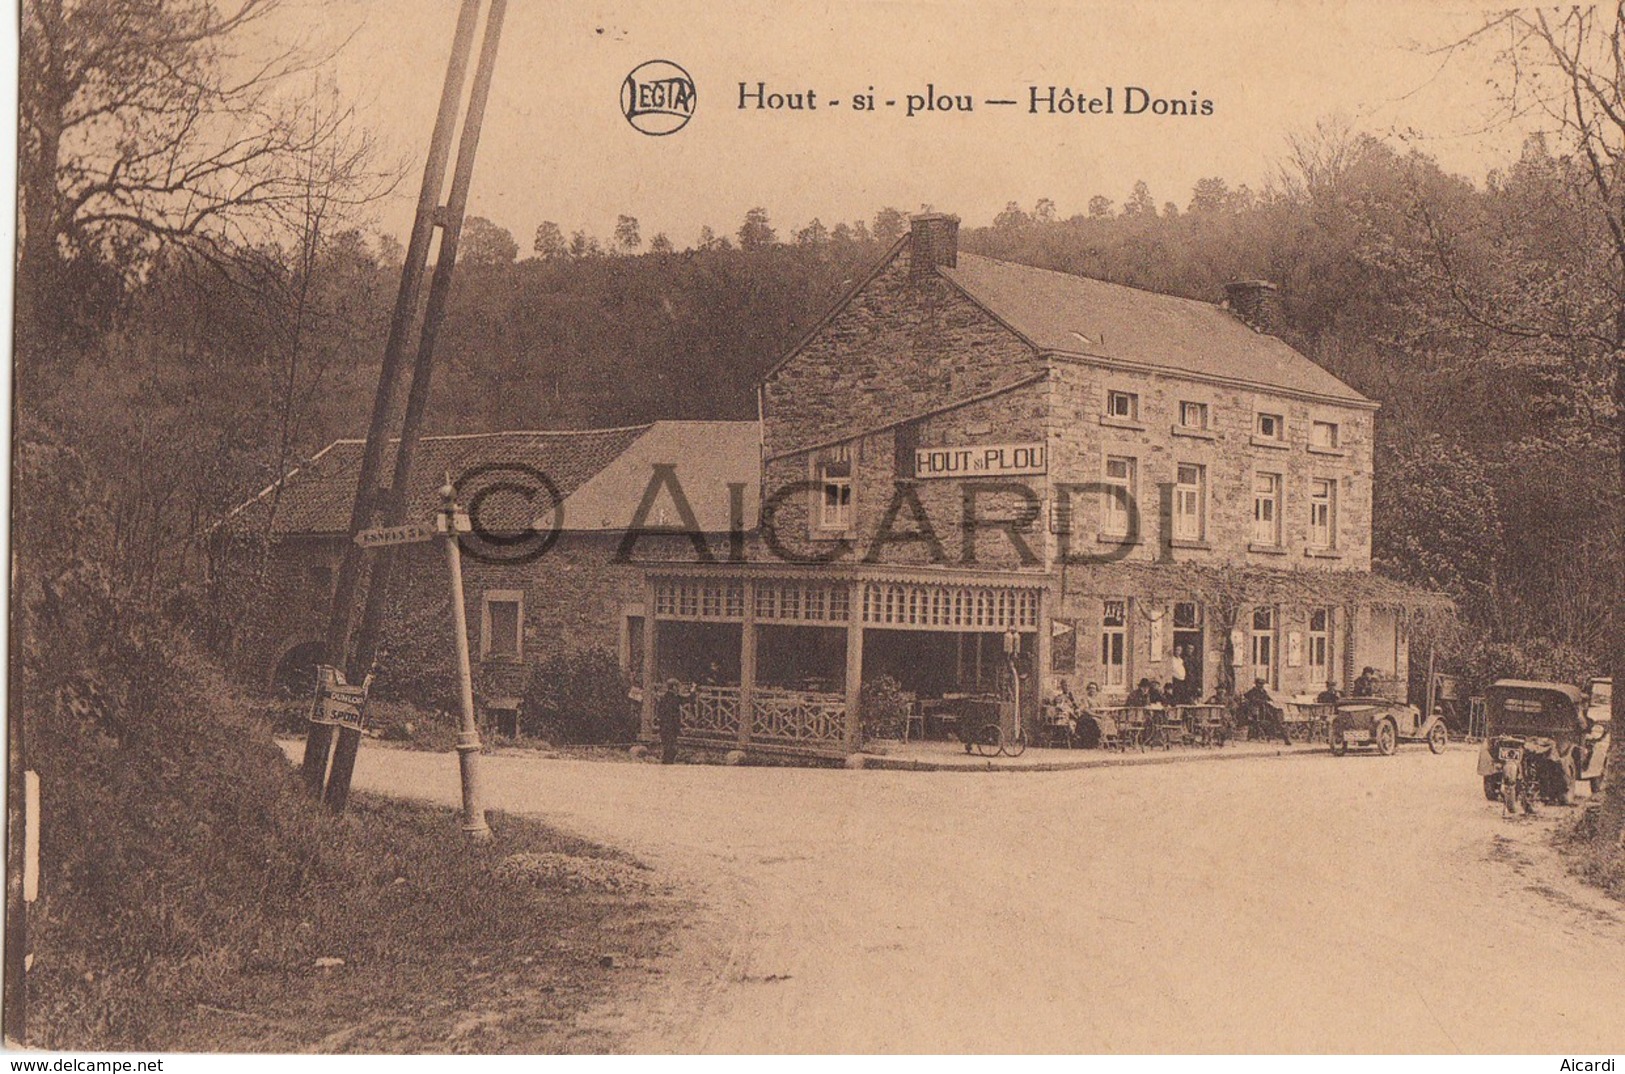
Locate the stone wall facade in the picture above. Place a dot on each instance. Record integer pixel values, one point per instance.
(1082, 435)
(577, 596)
(901, 347)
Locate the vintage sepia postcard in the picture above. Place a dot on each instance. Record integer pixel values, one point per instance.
(912, 527)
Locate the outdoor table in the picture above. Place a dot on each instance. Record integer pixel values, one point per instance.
(1131, 723)
(1313, 717)
(1206, 722)
(1171, 726)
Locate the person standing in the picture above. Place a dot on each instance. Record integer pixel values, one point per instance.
(669, 710)
(1176, 675)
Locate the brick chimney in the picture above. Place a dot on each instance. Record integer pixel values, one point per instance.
(1257, 302)
(933, 242)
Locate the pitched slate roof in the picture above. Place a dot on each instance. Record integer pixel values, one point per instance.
(316, 496)
(1075, 315)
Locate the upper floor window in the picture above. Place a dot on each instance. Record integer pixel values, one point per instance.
(1118, 500)
(1270, 426)
(1322, 513)
(1123, 405)
(1324, 434)
(502, 618)
(1267, 509)
(1193, 416)
(835, 490)
(1190, 493)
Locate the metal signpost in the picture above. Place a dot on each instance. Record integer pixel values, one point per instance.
(451, 522)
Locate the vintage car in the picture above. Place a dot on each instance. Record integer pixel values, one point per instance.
(1599, 728)
(1384, 724)
(1547, 728)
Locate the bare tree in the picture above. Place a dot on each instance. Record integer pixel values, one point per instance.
(141, 126)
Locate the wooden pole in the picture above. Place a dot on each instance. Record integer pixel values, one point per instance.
(468, 734)
(646, 715)
(747, 667)
(319, 738)
(450, 220)
(854, 669)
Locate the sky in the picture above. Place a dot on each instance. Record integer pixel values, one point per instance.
(557, 147)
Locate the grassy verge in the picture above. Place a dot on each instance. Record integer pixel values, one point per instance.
(1591, 859)
(443, 947)
(193, 897)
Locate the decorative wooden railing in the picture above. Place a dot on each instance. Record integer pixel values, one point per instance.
(712, 713)
(783, 718)
(798, 718)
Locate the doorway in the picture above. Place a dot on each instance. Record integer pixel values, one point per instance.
(1189, 643)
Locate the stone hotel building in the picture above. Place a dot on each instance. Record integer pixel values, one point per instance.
(963, 458)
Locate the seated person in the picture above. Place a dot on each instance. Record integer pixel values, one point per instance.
(1140, 696)
(1063, 709)
(1154, 694)
(1328, 696)
(1365, 685)
(1264, 713)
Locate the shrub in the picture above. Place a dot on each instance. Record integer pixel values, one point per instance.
(885, 707)
(1540, 659)
(579, 697)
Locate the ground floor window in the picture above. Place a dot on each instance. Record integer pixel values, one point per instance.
(1261, 649)
(632, 645)
(501, 620)
(1320, 645)
(1114, 644)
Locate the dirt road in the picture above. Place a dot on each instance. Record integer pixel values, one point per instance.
(1292, 904)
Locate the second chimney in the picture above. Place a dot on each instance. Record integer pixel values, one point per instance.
(1257, 302)
(933, 243)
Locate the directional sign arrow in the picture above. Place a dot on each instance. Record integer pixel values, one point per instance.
(413, 533)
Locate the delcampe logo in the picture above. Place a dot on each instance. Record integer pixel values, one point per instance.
(657, 98)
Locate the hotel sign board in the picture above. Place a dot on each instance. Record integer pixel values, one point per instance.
(982, 460)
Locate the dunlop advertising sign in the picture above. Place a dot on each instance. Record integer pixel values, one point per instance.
(985, 460)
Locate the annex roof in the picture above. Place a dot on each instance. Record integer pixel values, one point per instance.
(608, 469)
(1092, 319)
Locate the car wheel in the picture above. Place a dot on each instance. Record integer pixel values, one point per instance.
(1387, 738)
(1338, 744)
(1438, 737)
(1492, 788)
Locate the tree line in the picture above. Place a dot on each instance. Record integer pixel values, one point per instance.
(202, 302)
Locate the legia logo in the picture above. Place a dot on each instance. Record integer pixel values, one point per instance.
(657, 98)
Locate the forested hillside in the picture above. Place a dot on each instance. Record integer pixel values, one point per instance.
(204, 378)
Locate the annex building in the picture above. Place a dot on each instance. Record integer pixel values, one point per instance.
(963, 458)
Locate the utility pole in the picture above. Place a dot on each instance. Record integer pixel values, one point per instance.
(363, 579)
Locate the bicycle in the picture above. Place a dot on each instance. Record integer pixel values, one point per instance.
(990, 740)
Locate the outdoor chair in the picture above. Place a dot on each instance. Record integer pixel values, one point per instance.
(1057, 728)
(1110, 737)
(914, 718)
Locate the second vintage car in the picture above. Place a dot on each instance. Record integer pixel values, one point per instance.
(1556, 737)
(1383, 724)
